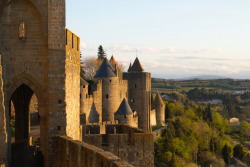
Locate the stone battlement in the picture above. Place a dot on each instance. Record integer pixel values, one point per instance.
(76, 153)
(123, 82)
(131, 144)
(72, 41)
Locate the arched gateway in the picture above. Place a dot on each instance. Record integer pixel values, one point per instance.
(38, 56)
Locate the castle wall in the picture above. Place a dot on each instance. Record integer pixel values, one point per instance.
(130, 144)
(153, 117)
(72, 85)
(139, 95)
(3, 134)
(73, 153)
(131, 120)
(123, 90)
(40, 61)
(91, 105)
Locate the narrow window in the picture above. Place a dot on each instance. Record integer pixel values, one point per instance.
(83, 86)
(107, 96)
(110, 81)
(80, 96)
(59, 101)
(78, 43)
(135, 85)
(22, 30)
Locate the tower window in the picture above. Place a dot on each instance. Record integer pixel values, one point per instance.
(83, 86)
(22, 30)
(135, 85)
(110, 80)
(107, 96)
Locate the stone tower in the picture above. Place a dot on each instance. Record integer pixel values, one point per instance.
(110, 90)
(125, 115)
(139, 93)
(159, 107)
(40, 56)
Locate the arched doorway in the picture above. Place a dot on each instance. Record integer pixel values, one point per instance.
(24, 150)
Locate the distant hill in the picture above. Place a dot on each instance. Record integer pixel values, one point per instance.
(202, 77)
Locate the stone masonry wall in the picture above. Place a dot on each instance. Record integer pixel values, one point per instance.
(73, 153)
(3, 134)
(27, 63)
(110, 98)
(72, 86)
(139, 94)
(130, 144)
(91, 105)
(153, 117)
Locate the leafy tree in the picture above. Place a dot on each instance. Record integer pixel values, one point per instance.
(101, 53)
(168, 113)
(226, 153)
(173, 161)
(240, 152)
(245, 129)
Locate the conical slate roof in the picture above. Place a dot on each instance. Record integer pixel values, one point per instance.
(158, 100)
(137, 67)
(124, 108)
(129, 68)
(105, 70)
(83, 82)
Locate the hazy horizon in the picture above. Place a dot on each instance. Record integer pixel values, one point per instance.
(173, 39)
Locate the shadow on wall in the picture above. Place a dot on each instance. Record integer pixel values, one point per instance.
(93, 115)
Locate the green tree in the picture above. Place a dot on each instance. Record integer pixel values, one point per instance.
(240, 152)
(168, 113)
(173, 161)
(101, 53)
(226, 153)
(245, 129)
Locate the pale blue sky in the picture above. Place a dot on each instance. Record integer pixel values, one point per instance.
(174, 38)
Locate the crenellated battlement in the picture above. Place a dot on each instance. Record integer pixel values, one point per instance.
(72, 40)
(123, 82)
(122, 140)
(77, 153)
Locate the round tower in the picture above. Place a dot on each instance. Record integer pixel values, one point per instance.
(83, 89)
(110, 90)
(125, 115)
(159, 107)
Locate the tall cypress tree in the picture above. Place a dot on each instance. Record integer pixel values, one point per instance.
(226, 153)
(101, 53)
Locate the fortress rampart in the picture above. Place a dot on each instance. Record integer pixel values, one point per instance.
(72, 153)
(132, 145)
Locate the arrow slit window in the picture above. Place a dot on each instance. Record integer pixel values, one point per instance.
(22, 30)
